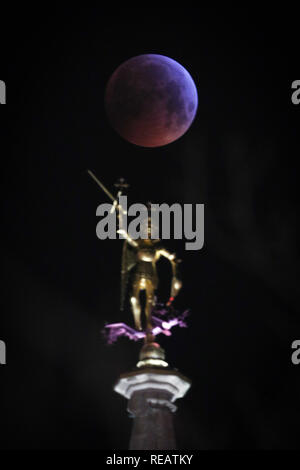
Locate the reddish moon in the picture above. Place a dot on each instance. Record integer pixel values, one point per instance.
(151, 100)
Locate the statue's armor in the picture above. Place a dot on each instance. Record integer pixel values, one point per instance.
(139, 261)
(145, 267)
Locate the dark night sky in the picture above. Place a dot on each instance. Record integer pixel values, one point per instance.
(61, 283)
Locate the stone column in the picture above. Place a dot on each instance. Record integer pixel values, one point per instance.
(152, 428)
(151, 393)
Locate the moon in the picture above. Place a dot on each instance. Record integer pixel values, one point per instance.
(151, 100)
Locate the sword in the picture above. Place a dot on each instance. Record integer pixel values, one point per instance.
(101, 185)
(115, 205)
(108, 193)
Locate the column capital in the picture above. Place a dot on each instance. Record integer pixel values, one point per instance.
(167, 380)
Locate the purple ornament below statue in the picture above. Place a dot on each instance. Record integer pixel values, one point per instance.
(163, 320)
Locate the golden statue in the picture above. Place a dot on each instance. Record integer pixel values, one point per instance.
(140, 257)
(139, 260)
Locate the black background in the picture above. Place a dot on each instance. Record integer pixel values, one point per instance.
(61, 283)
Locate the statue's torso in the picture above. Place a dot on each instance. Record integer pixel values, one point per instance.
(146, 258)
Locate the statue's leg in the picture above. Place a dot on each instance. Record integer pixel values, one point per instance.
(136, 306)
(149, 303)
